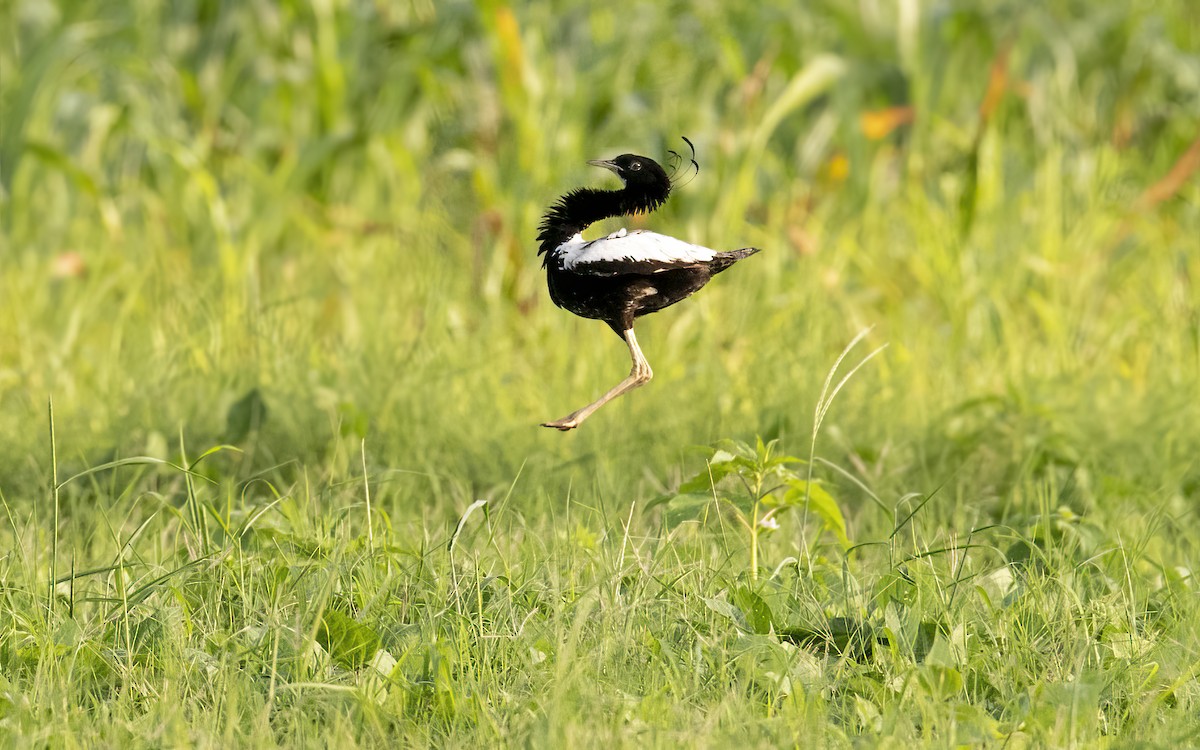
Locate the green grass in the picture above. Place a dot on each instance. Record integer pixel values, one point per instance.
(273, 265)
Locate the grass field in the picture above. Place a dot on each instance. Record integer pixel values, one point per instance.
(273, 266)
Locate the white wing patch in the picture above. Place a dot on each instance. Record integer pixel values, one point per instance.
(629, 252)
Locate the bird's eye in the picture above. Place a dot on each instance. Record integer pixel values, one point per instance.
(635, 166)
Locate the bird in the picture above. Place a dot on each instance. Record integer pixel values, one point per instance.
(626, 274)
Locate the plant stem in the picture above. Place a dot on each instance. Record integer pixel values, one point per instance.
(367, 490)
(754, 542)
(54, 492)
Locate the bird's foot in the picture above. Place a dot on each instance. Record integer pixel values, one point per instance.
(564, 424)
(571, 421)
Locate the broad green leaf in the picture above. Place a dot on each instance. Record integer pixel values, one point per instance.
(348, 641)
(754, 608)
(735, 448)
(822, 504)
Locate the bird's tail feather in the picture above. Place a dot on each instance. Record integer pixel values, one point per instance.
(725, 260)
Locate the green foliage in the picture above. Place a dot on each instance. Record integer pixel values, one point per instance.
(766, 486)
(348, 642)
(273, 263)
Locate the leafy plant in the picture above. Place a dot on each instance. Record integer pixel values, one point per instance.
(769, 483)
(757, 486)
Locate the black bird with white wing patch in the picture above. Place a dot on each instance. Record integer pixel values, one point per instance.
(627, 274)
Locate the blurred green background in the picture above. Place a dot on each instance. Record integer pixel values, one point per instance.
(307, 229)
(335, 203)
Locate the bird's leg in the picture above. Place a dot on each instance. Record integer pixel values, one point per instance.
(639, 375)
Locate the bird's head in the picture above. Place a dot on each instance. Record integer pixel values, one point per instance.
(637, 171)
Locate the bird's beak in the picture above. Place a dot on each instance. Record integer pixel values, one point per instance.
(609, 165)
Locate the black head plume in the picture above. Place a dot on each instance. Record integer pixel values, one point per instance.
(676, 161)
